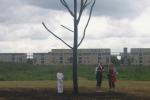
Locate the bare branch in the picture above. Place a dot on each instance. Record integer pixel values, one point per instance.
(87, 3)
(67, 28)
(87, 23)
(56, 36)
(81, 11)
(64, 3)
(83, 5)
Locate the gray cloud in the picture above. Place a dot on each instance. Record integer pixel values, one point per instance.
(119, 8)
(20, 20)
(17, 12)
(17, 32)
(23, 11)
(111, 8)
(8, 9)
(49, 4)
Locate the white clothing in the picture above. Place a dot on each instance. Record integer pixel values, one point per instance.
(60, 77)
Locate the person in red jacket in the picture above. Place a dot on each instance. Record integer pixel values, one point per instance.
(111, 76)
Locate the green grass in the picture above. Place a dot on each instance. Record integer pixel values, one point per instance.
(26, 72)
(137, 73)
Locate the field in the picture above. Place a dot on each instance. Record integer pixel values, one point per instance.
(23, 72)
(30, 82)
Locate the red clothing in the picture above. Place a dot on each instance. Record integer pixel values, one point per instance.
(112, 75)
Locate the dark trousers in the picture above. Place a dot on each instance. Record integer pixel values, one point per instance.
(111, 84)
(99, 80)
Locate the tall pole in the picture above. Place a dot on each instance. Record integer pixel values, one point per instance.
(75, 80)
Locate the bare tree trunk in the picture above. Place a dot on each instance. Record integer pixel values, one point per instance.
(75, 80)
(83, 5)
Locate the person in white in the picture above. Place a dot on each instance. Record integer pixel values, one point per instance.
(60, 77)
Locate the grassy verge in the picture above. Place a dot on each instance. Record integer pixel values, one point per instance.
(25, 72)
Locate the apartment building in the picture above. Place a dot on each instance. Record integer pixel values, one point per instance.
(41, 58)
(140, 56)
(13, 57)
(125, 57)
(65, 56)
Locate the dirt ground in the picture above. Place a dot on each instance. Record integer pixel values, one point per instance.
(50, 94)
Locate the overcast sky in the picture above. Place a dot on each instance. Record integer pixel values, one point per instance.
(114, 24)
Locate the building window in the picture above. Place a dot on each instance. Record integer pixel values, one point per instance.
(20, 60)
(70, 60)
(99, 59)
(53, 59)
(60, 60)
(80, 60)
(99, 54)
(140, 58)
(140, 54)
(13, 58)
(42, 59)
(140, 61)
(34, 60)
(107, 60)
(132, 60)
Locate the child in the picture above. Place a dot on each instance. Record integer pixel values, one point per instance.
(60, 77)
(111, 76)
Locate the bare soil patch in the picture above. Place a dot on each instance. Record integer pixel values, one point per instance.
(50, 94)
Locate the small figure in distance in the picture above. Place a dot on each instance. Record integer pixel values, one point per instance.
(60, 77)
(111, 76)
(99, 74)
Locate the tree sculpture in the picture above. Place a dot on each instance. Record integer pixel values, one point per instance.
(76, 14)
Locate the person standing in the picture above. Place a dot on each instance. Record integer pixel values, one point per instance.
(99, 75)
(60, 78)
(111, 76)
